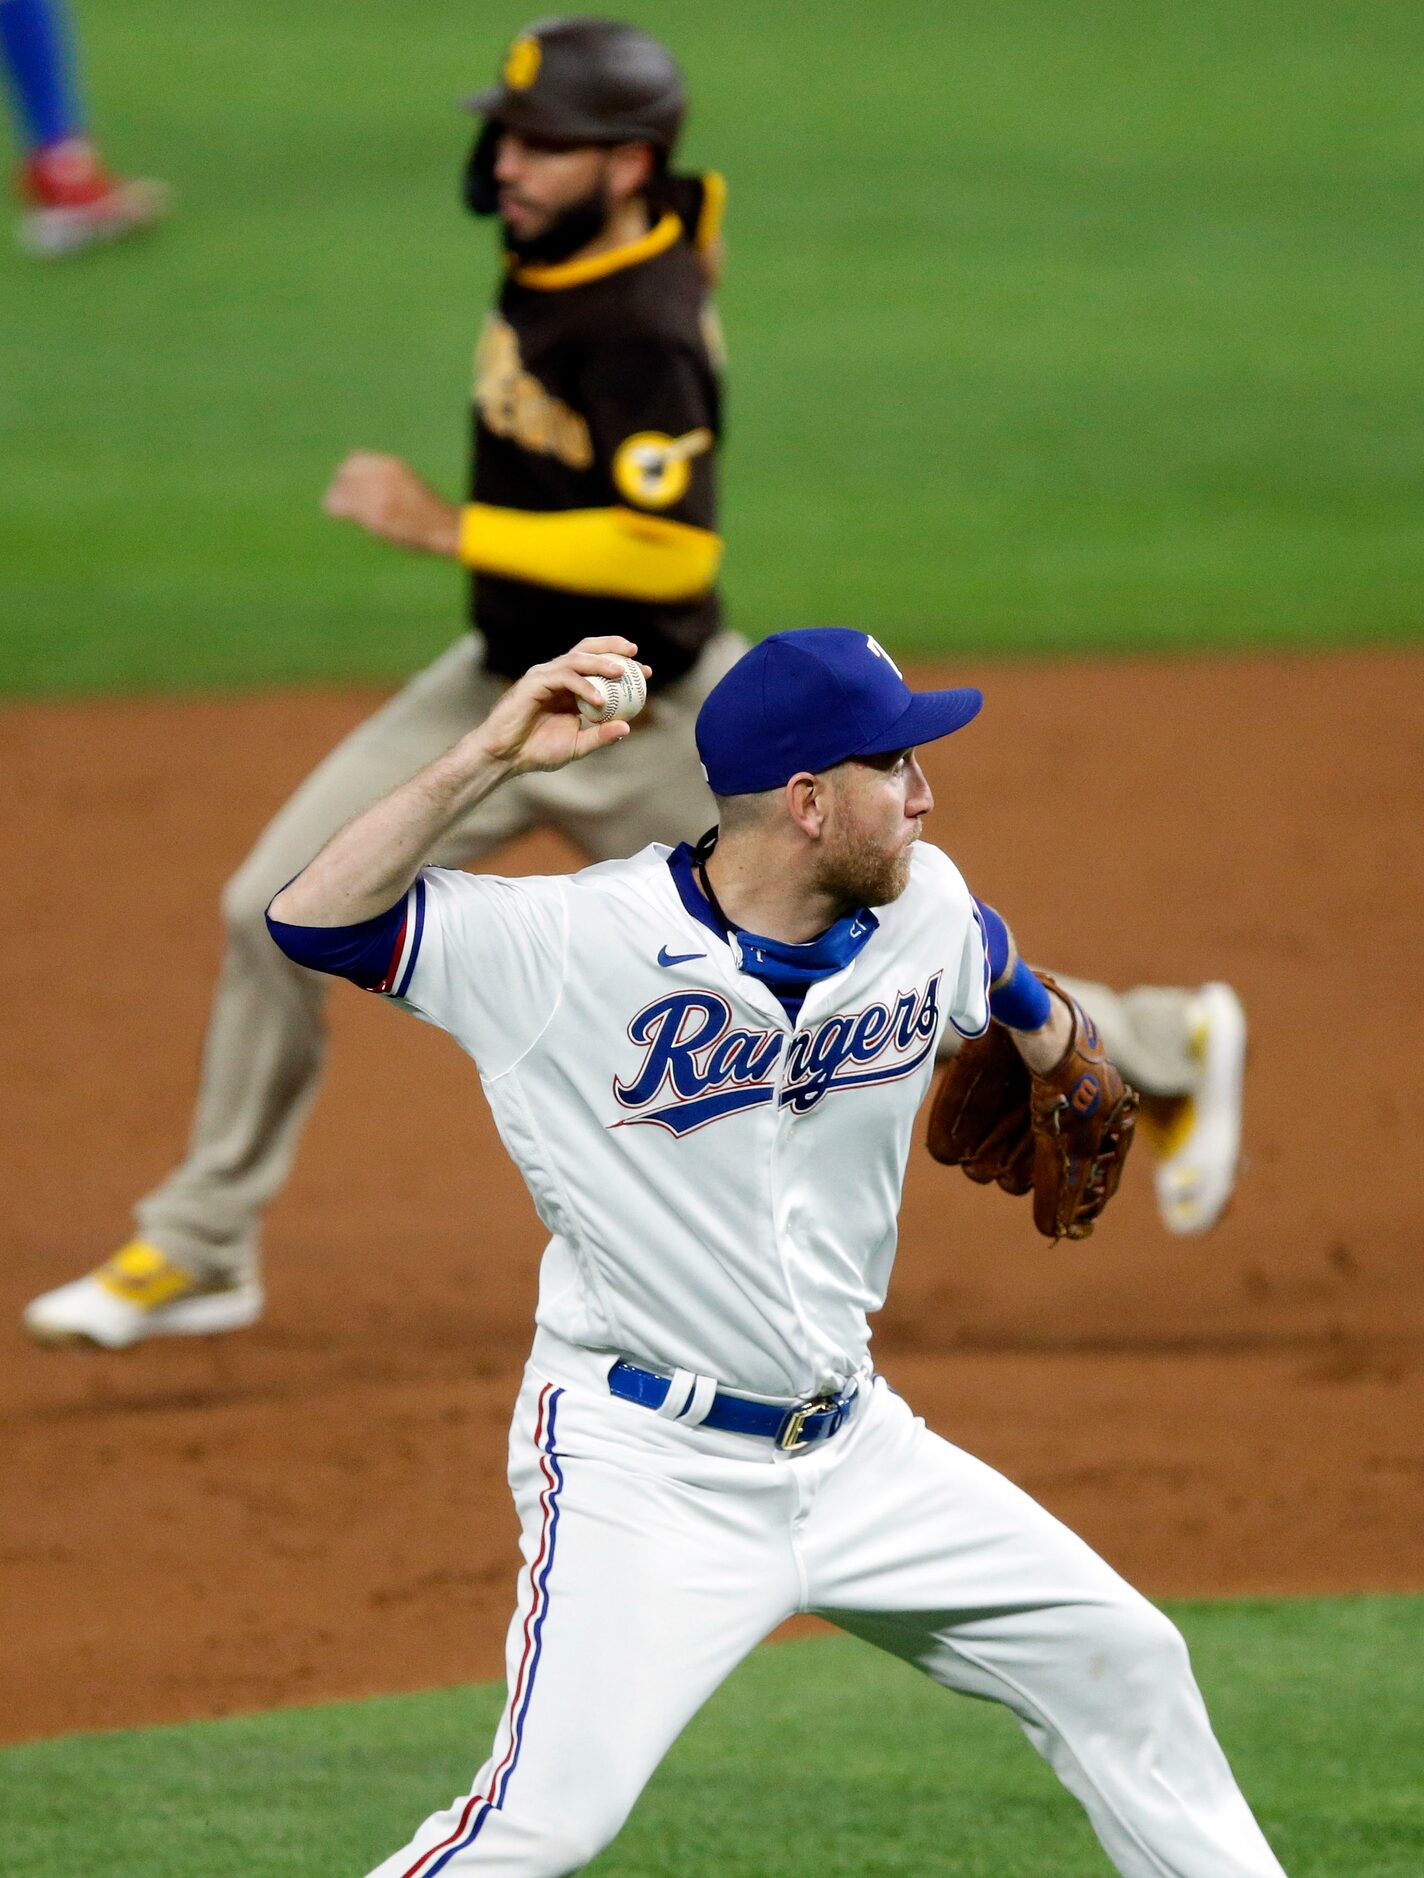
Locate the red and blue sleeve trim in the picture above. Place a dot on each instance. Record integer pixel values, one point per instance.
(406, 949)
(378, 954)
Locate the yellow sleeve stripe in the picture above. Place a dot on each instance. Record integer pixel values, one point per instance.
(714, 207)
(614, 552)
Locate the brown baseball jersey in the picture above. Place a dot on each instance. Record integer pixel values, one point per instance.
(597, 402)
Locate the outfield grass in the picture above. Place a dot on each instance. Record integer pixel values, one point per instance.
(818, 1757)
(1051, 327)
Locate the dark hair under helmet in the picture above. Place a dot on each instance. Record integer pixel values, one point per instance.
(578, 81)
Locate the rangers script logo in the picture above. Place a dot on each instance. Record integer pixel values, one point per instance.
(697, 1068)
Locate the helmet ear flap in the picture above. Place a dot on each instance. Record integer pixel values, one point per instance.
(481, 193)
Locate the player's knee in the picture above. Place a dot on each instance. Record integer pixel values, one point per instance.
(244, 902)
(570, 1852)
(1136, 1653)
(554, 1848)
(244, 905)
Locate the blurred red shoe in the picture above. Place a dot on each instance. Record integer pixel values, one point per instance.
(72, 202)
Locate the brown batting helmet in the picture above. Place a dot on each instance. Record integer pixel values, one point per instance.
(578, 81)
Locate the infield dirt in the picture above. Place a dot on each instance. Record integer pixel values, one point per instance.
(316, 1508)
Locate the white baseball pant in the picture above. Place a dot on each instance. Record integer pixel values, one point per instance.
(657, 1556)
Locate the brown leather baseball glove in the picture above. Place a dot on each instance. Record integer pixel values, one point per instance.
(1064, 1134)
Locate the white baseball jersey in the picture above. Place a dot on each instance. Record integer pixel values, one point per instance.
(721, 1186)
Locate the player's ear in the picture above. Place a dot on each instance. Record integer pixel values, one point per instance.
(805, 799)
(630, 169)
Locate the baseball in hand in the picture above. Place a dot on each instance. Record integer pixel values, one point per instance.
(623, 697)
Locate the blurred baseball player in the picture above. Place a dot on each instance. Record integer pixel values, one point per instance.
(592, 504)
(592, 509)
(70, 201)
(706, 1063)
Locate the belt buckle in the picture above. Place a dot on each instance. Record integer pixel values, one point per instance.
(789, 1437)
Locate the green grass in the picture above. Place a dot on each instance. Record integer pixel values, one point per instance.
(1051, 327)
(817, 1757)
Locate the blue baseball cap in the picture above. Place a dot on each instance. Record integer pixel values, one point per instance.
(808, 699)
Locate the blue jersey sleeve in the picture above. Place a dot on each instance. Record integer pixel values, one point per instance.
(478, 956)
(1016, 998)
(370, 953)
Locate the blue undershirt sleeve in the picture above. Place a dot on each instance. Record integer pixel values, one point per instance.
(365, 953)
(997, 942)
(1016, 998)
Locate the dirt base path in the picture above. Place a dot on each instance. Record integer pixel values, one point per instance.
(316, 1508)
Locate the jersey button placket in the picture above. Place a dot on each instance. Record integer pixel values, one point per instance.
(784, 1188)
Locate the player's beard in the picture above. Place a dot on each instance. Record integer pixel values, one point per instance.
(858, 871)
(571, 229)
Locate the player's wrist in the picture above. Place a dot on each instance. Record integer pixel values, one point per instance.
(442, 530)
(483, 759)
(1045, 1049)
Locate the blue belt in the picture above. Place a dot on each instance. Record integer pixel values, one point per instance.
(798, 1427)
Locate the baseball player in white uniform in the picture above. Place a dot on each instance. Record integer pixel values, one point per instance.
(706, 1063)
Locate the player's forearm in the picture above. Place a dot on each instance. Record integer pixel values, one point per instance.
(372, 861)
(384, 496)
(1043, 1049)
(535, 725)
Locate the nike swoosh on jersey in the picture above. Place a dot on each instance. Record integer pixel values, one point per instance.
(677, 958)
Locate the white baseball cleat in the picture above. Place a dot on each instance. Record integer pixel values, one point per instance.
(48, 233)
(141, 1293)
(1198, 1136)
(72, 202)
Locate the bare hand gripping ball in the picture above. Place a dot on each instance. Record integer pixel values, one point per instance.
(623, 697)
